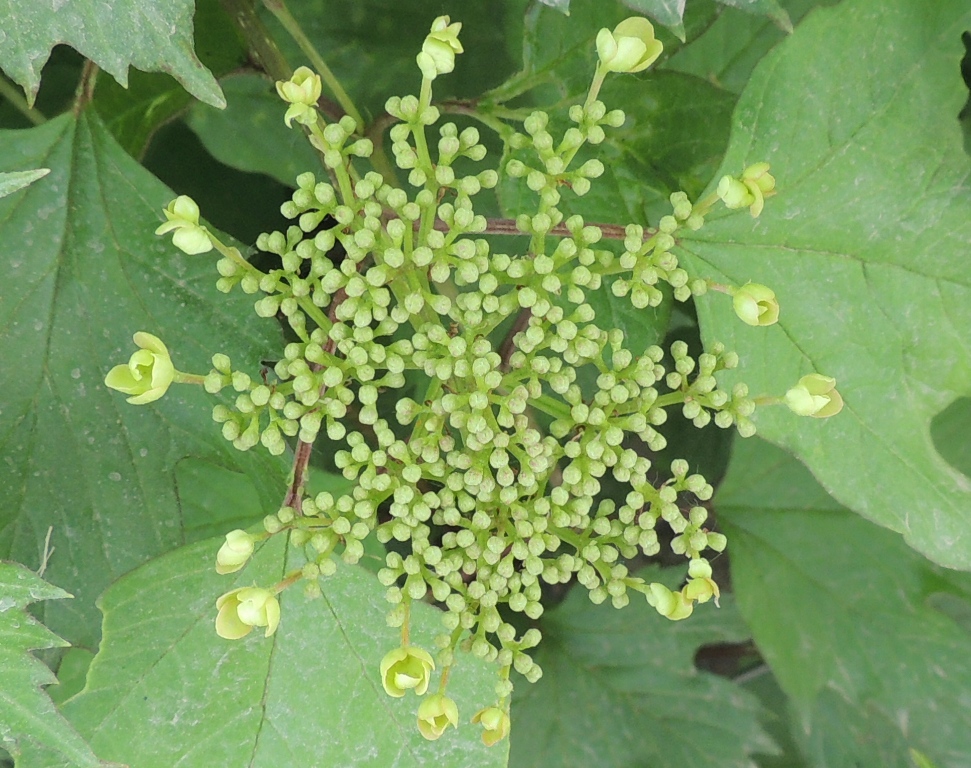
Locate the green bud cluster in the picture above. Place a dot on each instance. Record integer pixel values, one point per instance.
(379, 283)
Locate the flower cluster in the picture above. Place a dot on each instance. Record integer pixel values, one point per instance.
(494, 476)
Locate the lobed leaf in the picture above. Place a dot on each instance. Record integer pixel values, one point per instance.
(27, 715)
(11, 182)
(115, 36)
(82, 272)
(165, 690)
(866, 247)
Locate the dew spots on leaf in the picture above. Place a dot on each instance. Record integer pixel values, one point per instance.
(115, 476)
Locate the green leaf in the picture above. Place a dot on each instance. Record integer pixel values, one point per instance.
(82, 272)
(250, 133)
(115, 36)
(11, 182)
(667, 12)
(135, 113)
(778, 720)
(166, 690)
(847, 616)
(728, 51)
(563, 6)
(770, 8)
(870, 223)
(214, 499)
(26, 713)
(619, 688)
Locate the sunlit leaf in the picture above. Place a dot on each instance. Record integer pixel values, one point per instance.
(309, 695)
(866, 247)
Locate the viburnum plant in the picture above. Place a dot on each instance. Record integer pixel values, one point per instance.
(491, 484)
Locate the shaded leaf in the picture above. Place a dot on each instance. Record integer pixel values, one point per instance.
(667, 12)
(870, 224)
(770, 8)
(619, 688)
(83, 271)
(115, 36)
(845, 613)
(778, 720)
(563, 6)
(250, 133)
(166, 690)
(11, 182)
(26, 713)
(673, 139)
(371, 45)
(135, 113)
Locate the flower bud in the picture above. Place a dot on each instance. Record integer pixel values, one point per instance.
(671, 605)
(756, 304)
(242, 609)
(760, 183)
(631, 47)
(734, 193)
(235, 552)
(182, 217)
(495, 724)
(815, 395)
(301, 92)
(148, 374)
(406, 668)
(435, 714)
(437, 55)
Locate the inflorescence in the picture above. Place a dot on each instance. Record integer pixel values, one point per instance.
(492, 483)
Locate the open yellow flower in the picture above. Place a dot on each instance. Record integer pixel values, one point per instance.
(631, 47)
(242, 609)
(301, 92)
(495, 724)
(182, 218)
(437, 55)
(148, 374)
(756, 304)
(435, 714)
(406, 669)
(815, 395)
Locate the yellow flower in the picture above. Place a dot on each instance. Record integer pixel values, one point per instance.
(406, 669)
(671, 605)
(301, 92)
(437, 55)
(242, 609)
(235, 552)
(149, 372)
(435, 714)
(631, 47)
(182, 217)
(495, 724)
(815, 395)
(734, 193)
(756, 304)
(760, 184)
